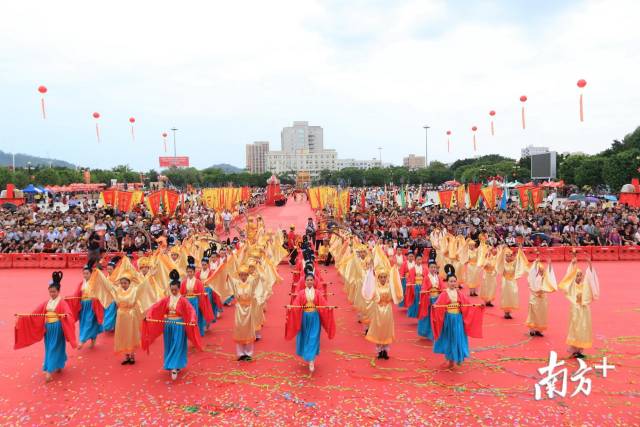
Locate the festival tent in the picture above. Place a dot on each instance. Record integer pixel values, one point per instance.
(31, 189)
(452, 183)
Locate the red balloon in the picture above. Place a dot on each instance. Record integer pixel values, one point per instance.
(523, 98)
(474, 128)
(492, 113)
(582, 83)
(448, 132)
(42, 89)
(96, 115)
(132, 120)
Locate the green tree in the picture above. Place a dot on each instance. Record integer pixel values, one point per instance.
(47, 176)
(569, 166)
(620, 168)
(590, 172)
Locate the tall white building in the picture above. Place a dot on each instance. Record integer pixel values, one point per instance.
(302, 149)
(531, 150)
(256, 159)
(301, 137)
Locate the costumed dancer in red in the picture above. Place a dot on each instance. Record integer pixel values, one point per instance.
(193, 289)
(305, 315)
(53, 321)
(175, 318)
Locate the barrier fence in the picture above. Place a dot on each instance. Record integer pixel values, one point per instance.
(554, 253)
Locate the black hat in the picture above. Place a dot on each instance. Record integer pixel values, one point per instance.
(449, 270)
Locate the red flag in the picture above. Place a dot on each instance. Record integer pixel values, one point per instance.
(153, 201)
(445, 197)
(474, 193)
(171, 199)
(109, 197)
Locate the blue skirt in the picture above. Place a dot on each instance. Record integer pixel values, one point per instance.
(109, 322)
(424, 325)
(216, 310)
(453, 341)
(202, 324)
(403, 281)
(308, 338)
(55, 350)
(228, 300)
(175, 345)
(412, 311)
(89, 326)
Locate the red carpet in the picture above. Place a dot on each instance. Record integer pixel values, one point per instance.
(349, 387)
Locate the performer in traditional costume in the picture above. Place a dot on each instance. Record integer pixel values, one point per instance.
(175, 318)
(203, 275)
(542, 280)
(428, 296)
(52, 320)
(473, 270)
(581, 289)
(305, 315)
(490, 281)
(86, 308)
(454, 319)
(110, 312)
(407, 265)
(132, 298)
(511, 268)
(415, 277)
(381, 292)
(193, 290)
(244, 330)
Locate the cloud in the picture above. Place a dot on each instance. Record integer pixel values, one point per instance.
(371, 73)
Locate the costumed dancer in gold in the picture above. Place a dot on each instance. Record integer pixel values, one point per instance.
(511, 267)
(244, 289)
(473, 269)
(132, 298)
(581, 289)
(381, 291)
(542, 280)
(490, 281)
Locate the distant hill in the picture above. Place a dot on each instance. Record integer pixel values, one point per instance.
(23, 159)
(227, 168)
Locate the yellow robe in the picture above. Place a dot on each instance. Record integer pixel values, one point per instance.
(380, 312)
(132, 304)
(509, 299)
(580, 296)
(489, 283)
(539, 286)
(244, 329)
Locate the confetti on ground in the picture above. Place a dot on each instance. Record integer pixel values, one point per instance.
(349, 387)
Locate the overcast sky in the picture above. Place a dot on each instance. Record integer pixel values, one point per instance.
(370, 72)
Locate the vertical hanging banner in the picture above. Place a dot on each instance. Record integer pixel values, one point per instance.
(448, 141)
(445, 198)
(461, 196)
(474, 194)
(164, 141)
(170, 200)
(124, 201)
(109, 197)
(153, 202)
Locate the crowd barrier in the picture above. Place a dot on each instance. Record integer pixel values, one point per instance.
(554, 253)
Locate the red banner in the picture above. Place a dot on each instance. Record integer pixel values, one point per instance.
(109, 197)
(445, 197)
(167, 162)
(171, 199)
(124, 200)
(153, 202)
(523, 192)
(474, 194)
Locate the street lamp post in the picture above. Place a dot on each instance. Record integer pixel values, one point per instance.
(426, 145)
(175, 150)
(380, 152)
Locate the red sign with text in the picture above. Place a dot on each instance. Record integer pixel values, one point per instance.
(167, 162)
